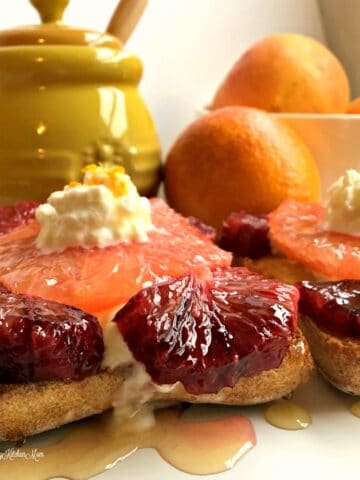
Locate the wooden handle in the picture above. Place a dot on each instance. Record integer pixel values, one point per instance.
(125, 18)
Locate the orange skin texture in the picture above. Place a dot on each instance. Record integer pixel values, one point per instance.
(286, 73)
(235, 159)
(354, 106)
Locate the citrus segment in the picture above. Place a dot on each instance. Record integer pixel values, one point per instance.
(208, 332)
(297, 231)
(98, 279)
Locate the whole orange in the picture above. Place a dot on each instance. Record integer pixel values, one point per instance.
(286, 73)
(238, 158)
(354, 106)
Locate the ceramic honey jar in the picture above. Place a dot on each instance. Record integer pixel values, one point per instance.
(68, 98)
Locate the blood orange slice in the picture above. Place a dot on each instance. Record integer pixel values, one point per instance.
(297, 231)
(11, 216)
(208, 332)
(44, 340)
(98, 279)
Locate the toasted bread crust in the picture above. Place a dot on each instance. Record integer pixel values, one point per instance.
(280, 268)
(295, 369)
(32, 408)
(338, 359)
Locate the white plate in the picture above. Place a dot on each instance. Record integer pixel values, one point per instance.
(329, 448)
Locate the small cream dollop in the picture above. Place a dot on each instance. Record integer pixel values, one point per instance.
(137, 387)
(343, 204)
(102, 211)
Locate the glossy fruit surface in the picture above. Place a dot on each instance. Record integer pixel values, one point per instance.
(43, 340)
(236, 159)
(333, 306)
(207, 331)
(297, 231)
(12, 216)
(246, 235)
(97, 279)
(286, 72)
(207, 230)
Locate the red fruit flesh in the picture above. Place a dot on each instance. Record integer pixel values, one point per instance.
(3, 289)
(42, 340)
(12, 216)
(333, 306)
(207, 230)
(297, 231)
(98, 279)
(246, 235)
(208, 332)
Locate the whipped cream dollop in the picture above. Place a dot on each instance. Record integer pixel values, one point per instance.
(102, 211)
(137, 387)
(343, 204)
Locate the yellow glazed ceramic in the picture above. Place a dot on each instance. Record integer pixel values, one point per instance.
(68, 98)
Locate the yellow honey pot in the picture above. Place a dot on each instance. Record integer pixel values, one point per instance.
(69, 98)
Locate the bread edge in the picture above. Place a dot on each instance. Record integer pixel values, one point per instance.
(28, 409)
(295, 370)
(338, 359)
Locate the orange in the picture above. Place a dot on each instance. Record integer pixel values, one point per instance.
(236, 159)
(354, 106)
(101, 278)
(296, 230)
(286, 73)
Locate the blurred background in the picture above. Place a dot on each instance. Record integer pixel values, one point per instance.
(187, 45)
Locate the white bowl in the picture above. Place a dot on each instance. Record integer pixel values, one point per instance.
(334, 141)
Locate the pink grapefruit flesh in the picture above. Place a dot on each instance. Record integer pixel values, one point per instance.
(297, 230)
(98, 279)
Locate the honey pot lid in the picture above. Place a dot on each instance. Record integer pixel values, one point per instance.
(53, 32)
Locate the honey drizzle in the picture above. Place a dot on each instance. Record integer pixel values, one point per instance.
(287, 415)
(95, 445)
(355, 409)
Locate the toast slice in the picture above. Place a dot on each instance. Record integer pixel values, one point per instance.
(281, 268)
(295, 370)
(30, 408)
(338, 359)
(27, 409)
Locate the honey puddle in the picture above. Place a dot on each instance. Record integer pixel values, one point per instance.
(287, 415)
(95, 445)
(355, 409)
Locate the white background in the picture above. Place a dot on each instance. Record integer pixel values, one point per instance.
(188, 45)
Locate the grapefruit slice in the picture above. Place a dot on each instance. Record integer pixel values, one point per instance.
(99, 279)
(297, 231)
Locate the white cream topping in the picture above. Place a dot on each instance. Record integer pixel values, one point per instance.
(343, 204)
(104, 210)
(137, 387)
